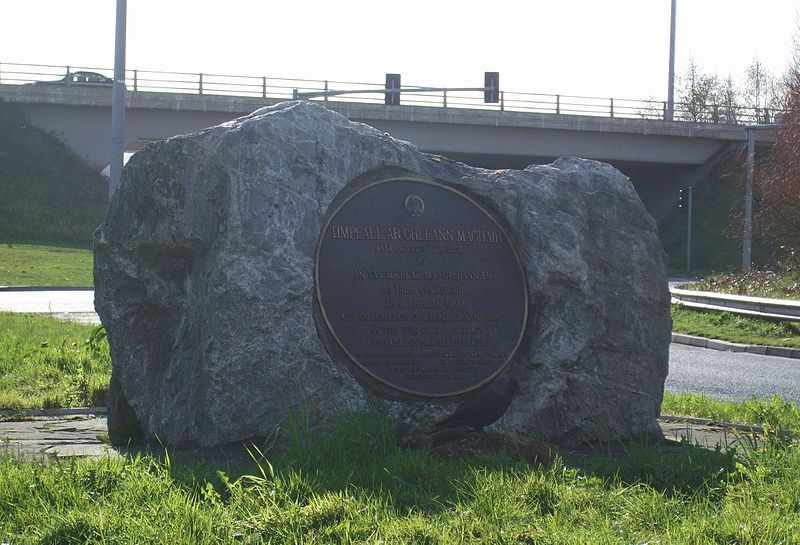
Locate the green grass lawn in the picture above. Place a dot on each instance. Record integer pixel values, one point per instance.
(354, 484)
(46, 362)
(45, 265)
(773, 413)
(731, 327)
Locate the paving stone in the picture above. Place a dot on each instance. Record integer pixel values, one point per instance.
(53, 438)
(81, 450)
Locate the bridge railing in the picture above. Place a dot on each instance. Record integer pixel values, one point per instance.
(285, 88)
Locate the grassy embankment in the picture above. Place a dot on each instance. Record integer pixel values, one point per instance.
(50, 204)
(781, 283)
(736, 328)
(716, 225)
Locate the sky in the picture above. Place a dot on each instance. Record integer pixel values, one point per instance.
(613, 48)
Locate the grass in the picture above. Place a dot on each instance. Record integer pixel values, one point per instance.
(353, 484)
(781, 283)
(46, 362)
(770, 413)
(731, 327)
(45, 265)
(48, 193)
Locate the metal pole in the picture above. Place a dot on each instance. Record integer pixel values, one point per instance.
(689, 230)
(118, 103)
(748, 200)
(671, 77)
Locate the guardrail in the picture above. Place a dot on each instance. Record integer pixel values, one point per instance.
(779, 309)
(285, 88)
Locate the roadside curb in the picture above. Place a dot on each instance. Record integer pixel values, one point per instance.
(716, 344)
(46, 288)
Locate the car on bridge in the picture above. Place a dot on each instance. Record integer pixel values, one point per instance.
(80, 78)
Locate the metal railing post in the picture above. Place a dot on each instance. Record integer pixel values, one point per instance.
(326, 91)
(68, 77)
(558, 104)
(263, 87)
(666, 113)
(444, 98)
(200, 83)
(135, 80)
(612, 107)
(502, 101)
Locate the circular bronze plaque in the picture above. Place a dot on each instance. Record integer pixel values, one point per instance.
(421, 287)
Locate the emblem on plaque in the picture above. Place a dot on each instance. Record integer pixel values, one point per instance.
(415, 206)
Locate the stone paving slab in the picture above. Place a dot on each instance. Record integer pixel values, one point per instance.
(82, 436)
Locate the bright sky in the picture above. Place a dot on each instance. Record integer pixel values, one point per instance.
(610, 48)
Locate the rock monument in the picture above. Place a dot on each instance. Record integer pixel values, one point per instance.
(294, 261)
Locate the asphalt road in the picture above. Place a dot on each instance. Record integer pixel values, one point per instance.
(74, 304)
(733, 376)
(723, 375)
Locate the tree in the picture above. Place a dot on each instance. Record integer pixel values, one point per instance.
(778, 216)
(698, 94)
(728, 99)
(761, 92)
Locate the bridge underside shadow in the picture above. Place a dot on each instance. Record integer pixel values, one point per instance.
(658, 184)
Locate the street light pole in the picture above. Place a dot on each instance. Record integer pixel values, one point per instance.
(748, 201)
(118, 102)
(748, 193)
(671, 77)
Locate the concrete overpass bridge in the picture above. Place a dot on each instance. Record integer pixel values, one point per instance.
(658, 156)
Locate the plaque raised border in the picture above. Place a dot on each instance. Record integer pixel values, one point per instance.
(414, 207)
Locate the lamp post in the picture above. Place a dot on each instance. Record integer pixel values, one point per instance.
(671, 77)
(748, 193)
(118, 102)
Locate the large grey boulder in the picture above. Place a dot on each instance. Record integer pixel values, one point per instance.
(204, 280)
